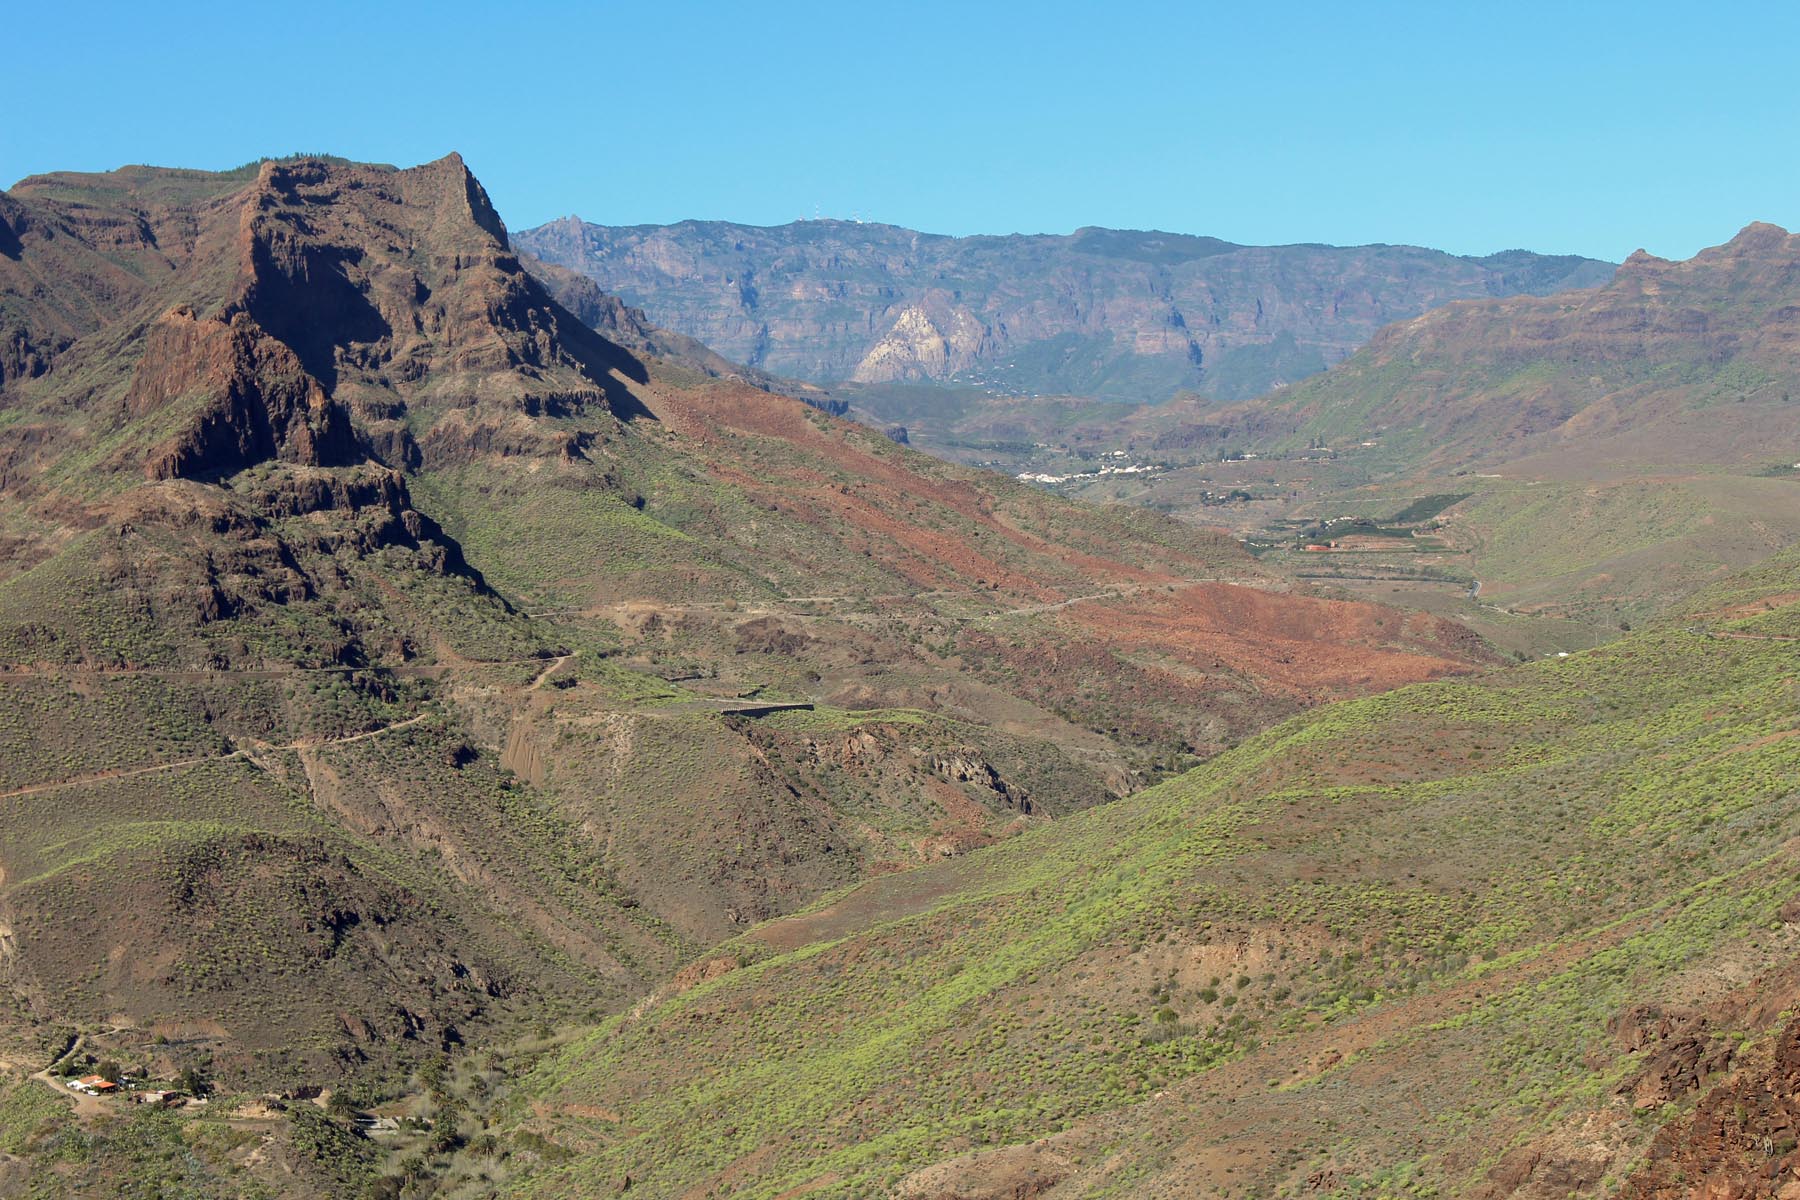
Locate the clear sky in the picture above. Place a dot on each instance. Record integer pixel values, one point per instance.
(1470, 125)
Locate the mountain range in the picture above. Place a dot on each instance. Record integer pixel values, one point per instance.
(1119, 314)
(1671, 363)
(395, 662)
(498, 745)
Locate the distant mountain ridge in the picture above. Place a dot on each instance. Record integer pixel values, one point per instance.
(1120, 314)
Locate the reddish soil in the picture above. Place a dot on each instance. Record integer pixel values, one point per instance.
(1294, 644)
(886, 500)
(1753, 609)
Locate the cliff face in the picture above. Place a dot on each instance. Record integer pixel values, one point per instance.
(215, 393)
(1116, 313)
(1738, 1142)
(64, 271)
(399, 290)
(256, 401)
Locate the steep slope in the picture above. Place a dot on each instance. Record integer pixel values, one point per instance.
(390, 660)
(1113, 313)
(628, 327)
(1670, 364)
(1468, 938)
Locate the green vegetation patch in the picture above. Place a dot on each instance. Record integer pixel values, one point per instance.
(1442, 834)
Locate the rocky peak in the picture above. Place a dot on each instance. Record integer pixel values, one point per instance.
(475, 199)
(1759, 237)
(398, 289)
(318, 312)
(932, 340)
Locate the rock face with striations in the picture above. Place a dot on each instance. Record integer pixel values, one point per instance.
(216, 391)
(1115, 313)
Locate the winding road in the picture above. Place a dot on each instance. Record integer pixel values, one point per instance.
(249, 753)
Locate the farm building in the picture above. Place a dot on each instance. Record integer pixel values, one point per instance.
(160, 1099)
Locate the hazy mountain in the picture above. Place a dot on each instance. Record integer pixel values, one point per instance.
(1115, 313)
(1595, 453)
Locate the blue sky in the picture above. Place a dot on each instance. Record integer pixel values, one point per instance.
(1586, 128)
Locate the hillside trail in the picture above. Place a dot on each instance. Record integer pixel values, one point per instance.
(252, 751)
(618, 606)
(248, 754)
(1057, 605)
(183, 675)
(776, 610)
(1750, 637)
(553, 666)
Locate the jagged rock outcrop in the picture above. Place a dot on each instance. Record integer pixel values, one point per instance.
(1741, 1140)
(254, 401)
(308, 311)
(404, 282)
(969, 767)
(919, 346)
(1682, 1053)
